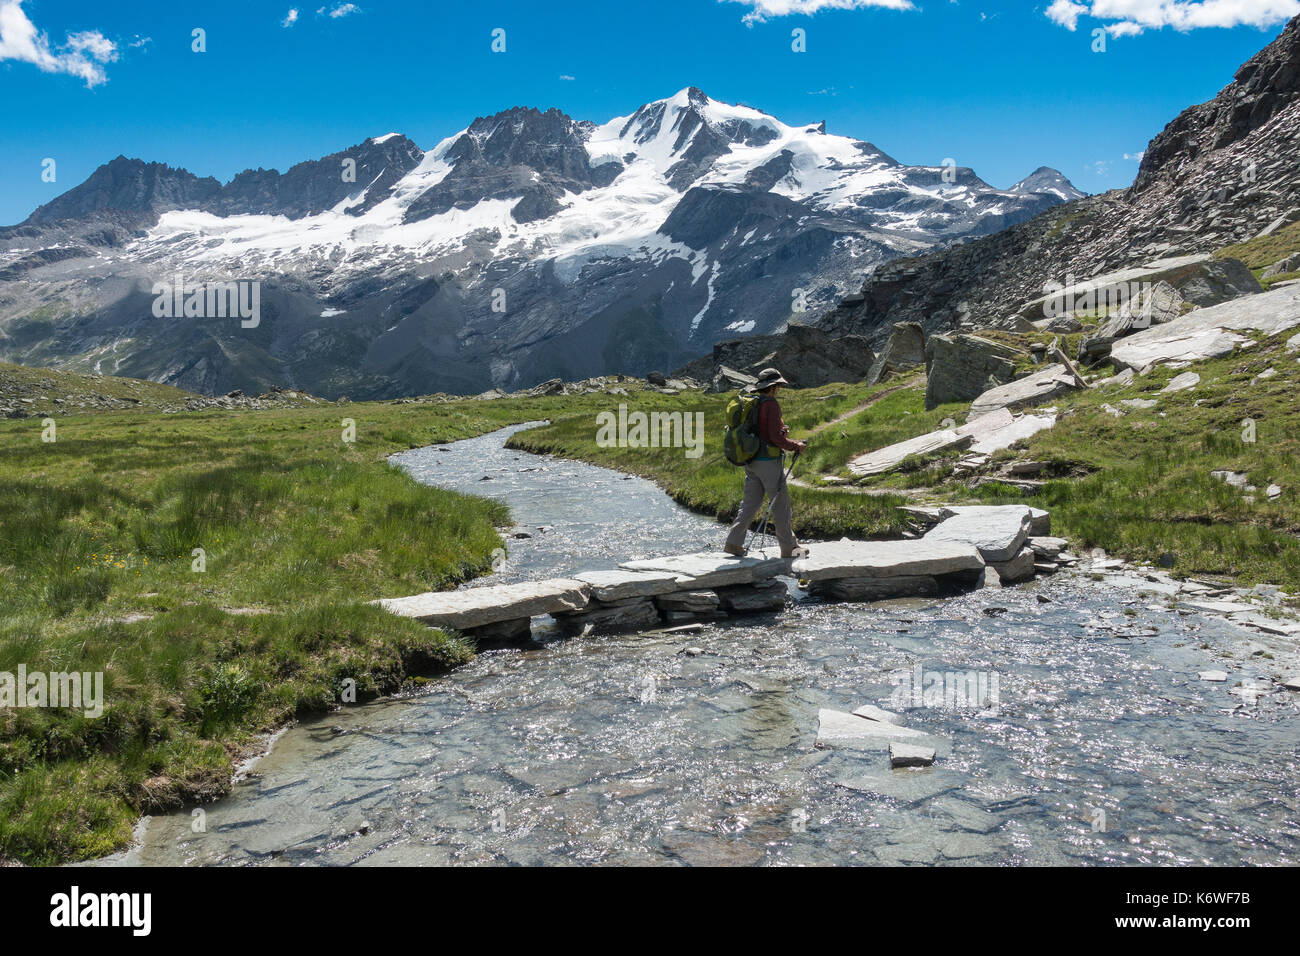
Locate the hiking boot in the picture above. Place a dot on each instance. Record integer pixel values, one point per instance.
(799, 552)
(734, 551)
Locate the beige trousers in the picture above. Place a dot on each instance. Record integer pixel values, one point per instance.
(764, 479)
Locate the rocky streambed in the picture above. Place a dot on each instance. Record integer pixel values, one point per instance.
(1070, 719)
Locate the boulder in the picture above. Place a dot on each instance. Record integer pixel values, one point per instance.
(807, 356)
(983, 435)
(904, 351)
(1033, 389)
(961, 366)
(998, 532)
(1019, 568)
(1210, 332)
(1178, 383)
(476, 607)
(1199, 279)
(1290, 264)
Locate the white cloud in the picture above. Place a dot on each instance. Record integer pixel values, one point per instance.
(1137, 157)
(566, 77)
(766, 9)
(341, 10)
(290, 18)
(82, 54)
(1130, 17)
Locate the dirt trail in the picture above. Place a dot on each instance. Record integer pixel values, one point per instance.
(907, 383)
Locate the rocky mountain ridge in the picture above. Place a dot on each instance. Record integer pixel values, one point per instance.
(527, 247)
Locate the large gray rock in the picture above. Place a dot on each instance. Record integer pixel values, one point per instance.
(997, 531)
(960, 367)
(1033, 389)
(1199, 279)
(1210, 332)
(886, 559)
(904, 351)
(476, 607)
(711, 569)
(807, 357)
(1290, 264)
(1019, 568)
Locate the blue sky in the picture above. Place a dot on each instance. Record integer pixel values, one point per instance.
(999, 86)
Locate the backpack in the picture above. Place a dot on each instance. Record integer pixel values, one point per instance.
(740, 438)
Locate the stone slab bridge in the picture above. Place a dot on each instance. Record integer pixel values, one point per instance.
(967, 547)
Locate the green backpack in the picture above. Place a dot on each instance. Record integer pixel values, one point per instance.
(740, 439)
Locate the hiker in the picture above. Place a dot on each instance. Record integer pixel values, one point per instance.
(765, 471)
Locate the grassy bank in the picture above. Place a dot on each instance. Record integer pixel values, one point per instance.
(298, 529)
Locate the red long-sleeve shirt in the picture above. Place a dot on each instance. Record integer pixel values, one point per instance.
(771, 428)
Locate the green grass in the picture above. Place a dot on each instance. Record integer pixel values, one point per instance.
(298, 529)
(1262, 251)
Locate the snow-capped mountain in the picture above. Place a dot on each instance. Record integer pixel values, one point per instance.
(1044, 179)
(527, 246)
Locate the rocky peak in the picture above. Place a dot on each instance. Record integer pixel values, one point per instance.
(1265, 85)
(1045, 179)
(128, 190)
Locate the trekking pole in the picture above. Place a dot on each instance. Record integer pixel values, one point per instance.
(772, 500)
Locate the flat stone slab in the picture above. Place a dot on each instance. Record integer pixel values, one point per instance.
(1222, 607)
(1217, 677)
(619, 585)
(836, 729)
(997, 531)
(1006, 435)
(1051, 381)
(1180, 383)
(872, 712)
(883, 559)
(476, 607)
(1209, 332)
(711, 569)
(984, 434)
(884, 459)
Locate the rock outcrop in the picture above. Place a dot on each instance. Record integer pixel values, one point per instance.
(904, 351)
(961, 367)
(807, 357)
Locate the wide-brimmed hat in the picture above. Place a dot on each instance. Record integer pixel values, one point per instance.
(767, 378)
